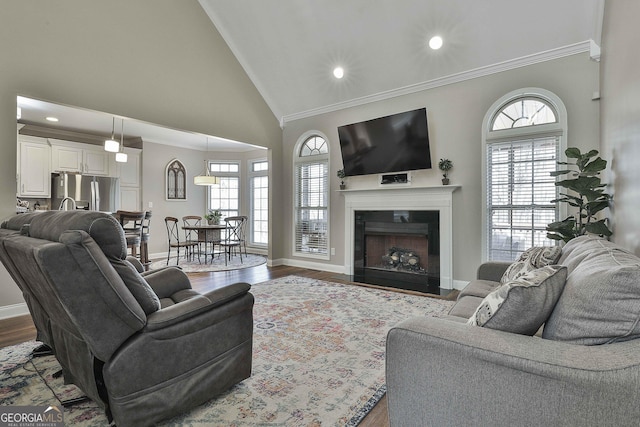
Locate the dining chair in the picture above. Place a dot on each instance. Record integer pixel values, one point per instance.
(173, 235)
(132, 224)
(193, 236)
(144, 243)
(234, 237)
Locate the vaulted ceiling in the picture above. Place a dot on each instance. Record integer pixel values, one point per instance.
(289, 48)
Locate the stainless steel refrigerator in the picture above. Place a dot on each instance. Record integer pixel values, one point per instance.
(95, 193)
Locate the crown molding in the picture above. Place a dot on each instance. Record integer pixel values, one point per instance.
(524, 61)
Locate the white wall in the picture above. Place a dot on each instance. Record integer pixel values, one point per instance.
(621, 116)
(455, 113)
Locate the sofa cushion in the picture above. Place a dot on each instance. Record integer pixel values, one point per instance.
(522, 305)
(531, 259)
(601, 300)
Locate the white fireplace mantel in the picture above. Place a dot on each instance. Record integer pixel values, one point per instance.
(435, 198)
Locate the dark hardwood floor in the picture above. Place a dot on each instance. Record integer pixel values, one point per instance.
(21, 329)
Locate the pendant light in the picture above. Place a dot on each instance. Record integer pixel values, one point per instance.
(111, 145)
(121, 156)
(206, 179)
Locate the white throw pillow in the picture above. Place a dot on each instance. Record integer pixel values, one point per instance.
(531, 259)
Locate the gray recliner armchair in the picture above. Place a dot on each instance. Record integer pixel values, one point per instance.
(144, 346)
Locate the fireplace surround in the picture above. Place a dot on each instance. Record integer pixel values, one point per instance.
(391, 204)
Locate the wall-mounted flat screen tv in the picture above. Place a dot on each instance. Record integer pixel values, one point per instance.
(395, 143)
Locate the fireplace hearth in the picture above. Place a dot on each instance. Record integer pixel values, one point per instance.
(398, 248)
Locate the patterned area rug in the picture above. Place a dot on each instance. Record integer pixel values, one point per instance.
(250, 260)
(319, 351)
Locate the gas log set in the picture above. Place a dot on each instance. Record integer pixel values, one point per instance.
(402, 259)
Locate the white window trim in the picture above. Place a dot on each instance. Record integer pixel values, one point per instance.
(226, 174)
(297, 159)
(560, 129)
(251, 174)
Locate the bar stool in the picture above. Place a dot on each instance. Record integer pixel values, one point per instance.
(144, 243)
(131, 223)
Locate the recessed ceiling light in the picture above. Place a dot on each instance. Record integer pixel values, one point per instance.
(435, 42)
(51, 119)
(338, 72)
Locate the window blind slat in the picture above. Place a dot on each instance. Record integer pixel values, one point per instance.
(519, 193)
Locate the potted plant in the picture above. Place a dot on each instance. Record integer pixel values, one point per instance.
(213, 216)
(341, 175)
(587, 195)
(445, 165)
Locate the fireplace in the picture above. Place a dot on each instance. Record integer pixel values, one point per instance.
(404, 210)
(398, 248)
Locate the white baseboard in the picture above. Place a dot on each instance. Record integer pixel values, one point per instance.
(13, 310)
(332, 268)
(460, 284)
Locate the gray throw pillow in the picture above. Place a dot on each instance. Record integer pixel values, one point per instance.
(531, 259)
(522, 306)
(600, 302)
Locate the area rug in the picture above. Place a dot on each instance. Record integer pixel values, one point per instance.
(218, 264)
(318, 360)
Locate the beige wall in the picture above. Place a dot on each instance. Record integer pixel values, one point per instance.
(161, 61)
(620, 115)
(455, 113)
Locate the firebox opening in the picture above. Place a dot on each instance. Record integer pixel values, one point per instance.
(399, 249)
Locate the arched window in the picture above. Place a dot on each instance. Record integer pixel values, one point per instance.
(524, 137)
(311, 192)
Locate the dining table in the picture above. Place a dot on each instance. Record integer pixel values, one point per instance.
(207, 234)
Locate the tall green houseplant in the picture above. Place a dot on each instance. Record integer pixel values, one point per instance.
(585, 193)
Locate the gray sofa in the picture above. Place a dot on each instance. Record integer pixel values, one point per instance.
(577, 366)
(143, 346)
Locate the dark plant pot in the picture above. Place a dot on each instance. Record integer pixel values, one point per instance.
(343, 186)
(213, 221)
(445, 181)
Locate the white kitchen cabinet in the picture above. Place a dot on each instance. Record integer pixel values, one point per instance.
(82, 158)
(34, 167)
(130, 178)
(129, 172)
(130, 198)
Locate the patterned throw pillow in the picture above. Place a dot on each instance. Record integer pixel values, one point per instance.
(523, 305)
(531, 259)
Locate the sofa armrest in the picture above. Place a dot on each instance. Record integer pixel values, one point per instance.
(492, 270)
(501, 378)
(183, 310)
(167, 281)
(224, 294)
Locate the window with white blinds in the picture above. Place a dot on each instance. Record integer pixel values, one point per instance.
(523, 136)
(311, 198)
(519, 193)
(225, 197)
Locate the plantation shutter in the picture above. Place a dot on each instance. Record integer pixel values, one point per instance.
(519, 194)
(311, 214)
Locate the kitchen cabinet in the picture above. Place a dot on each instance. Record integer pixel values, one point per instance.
(129, 174)
(81, 158)
(34, 167)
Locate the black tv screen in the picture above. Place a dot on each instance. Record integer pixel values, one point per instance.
(395, 143)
